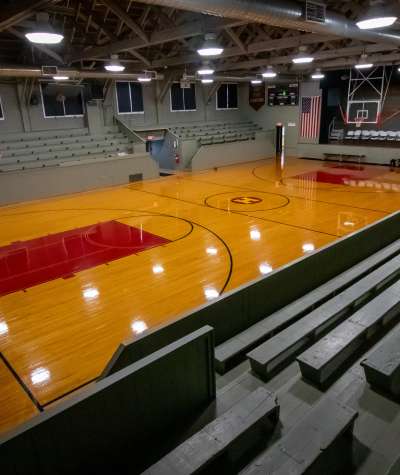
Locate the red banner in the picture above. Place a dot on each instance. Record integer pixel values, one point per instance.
(257, 96)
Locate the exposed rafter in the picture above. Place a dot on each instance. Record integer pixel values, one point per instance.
(23, 11)
(126, 18)
(186, 30)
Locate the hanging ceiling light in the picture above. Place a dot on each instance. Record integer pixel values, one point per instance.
(378, 15)
(114, 66)
(269, 73)
(44, 33)
(207, 80)
(256, 81)
(146, 77)
(60, 78)
(210, 47)
(317, 74)
(363, 63)
(303, 57)
(205, 69)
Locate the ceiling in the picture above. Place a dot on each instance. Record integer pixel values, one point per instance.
(151, 37)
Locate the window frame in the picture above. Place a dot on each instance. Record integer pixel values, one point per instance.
(183, 98)
(64, 116)
(130, 98)
(227, 98)
(2, 110)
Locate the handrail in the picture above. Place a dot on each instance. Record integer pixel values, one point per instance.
(131, 133)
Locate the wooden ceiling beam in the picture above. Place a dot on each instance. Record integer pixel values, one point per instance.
(22, 12)
(186, 30)
(126, 18)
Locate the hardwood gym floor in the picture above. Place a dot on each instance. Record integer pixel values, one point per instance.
(80, 273)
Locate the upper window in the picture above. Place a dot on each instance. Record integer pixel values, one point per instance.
(129, 98)
(183, 99)
(227, 97)
(57, 103)
(1, 110)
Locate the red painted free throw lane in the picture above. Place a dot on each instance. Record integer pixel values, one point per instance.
(341, 174)
(28, 263)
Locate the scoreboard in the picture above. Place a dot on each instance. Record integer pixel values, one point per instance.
(283, 95)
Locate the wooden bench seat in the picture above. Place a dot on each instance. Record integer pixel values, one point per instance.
(382, 366)
(232, 434)
(281, 349)
(233, 350)
(320, 362)
(321, 443)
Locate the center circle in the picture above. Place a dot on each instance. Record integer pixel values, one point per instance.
(246, 200)
(241, 203)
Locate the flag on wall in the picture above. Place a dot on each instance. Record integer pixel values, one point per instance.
(310, 117)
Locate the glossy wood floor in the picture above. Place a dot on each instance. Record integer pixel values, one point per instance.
(226, 227)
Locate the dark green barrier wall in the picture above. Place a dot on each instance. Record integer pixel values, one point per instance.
(242, 307)
(123, 423)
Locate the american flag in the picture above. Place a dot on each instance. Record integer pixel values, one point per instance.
(310, 117)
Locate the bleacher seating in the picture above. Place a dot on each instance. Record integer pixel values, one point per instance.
(363, 135)
(320, 362)
(232, 350)
(318, 444)
(382, 365)
(220, 132)
(228, 436)
(36, 150)
(283, 347)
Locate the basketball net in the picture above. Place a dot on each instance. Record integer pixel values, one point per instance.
(359, 123)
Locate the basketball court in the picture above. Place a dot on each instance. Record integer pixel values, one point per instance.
(86, 271)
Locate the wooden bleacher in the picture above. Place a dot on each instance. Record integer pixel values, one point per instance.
(227, 437)
(319, 444)
(321, 361)
(215, 133)
(283, 347)
(232, 350)
(382, 366)
(53, 148)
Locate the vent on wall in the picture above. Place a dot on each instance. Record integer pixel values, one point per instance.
(315, 12)
(135, 177)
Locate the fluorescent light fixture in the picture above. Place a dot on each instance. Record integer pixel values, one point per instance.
(364, 66)
(317, 74)
(60, 78)
(144, 79)
(210, 47)
(207, 81)
(44, 33)
(303, 57)
(377, 15)
(114, 66)
(138, 326)
(363, 63)
(205, 69)
(256, 81)
(269, 73)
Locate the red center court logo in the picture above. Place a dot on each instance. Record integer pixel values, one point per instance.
(246, 200)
